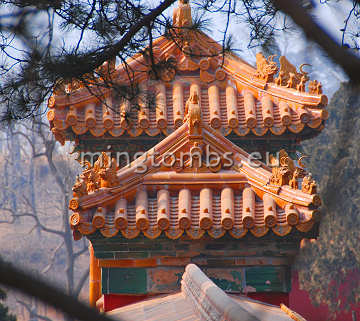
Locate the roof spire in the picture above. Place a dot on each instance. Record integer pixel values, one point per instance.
(182, 14)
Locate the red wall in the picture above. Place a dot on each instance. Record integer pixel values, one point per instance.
(300, 302)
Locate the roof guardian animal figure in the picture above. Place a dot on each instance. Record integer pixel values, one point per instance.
(266, 67)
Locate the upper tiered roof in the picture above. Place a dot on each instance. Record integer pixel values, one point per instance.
(234, 97)
(194, 181)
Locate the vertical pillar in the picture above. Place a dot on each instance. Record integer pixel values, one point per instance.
(94, 278)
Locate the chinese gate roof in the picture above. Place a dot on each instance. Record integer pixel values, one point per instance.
(234, 96)
(178, 187)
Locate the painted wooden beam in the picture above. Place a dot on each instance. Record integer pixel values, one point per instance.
(157, 280)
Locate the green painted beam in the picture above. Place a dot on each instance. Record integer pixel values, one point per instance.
(167, 279)
(127, 281)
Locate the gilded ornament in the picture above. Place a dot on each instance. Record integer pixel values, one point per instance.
(63, 86)
(102, 174)
(294, 180)
(266, 68)
(75, 219)
(206, 76)
(290, 77)
(193, 112)
(315, 87)
(108, 176)
(74, 204)
(51, 115)
(187, 64)
(301, 85)
(79, 189)
(309, 185)
(204, 64)
(284, 171)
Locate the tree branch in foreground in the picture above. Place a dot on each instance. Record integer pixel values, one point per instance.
(340, 55)
(17, 279)
(99, 56)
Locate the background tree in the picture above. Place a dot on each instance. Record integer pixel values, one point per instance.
(334, 259)
(38, 175)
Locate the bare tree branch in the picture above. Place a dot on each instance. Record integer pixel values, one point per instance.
(82, 251)
(52, 258)
(107, 53)
(17, 279)
(31, 311)
(81, 282)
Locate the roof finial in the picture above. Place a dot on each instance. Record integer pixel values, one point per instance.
(182, 14)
